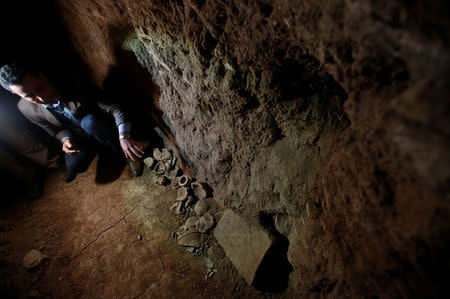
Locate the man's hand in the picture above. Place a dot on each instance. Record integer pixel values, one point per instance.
(133, 149)
(69, 147)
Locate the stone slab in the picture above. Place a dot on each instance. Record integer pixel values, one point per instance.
(244, 244)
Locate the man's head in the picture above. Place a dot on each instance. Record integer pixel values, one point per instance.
(31, 85)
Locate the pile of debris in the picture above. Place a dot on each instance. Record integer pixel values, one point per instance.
(193, 199)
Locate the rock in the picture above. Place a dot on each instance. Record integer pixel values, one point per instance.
(245, 245)
(136, 167)
(182, 194)
(199, 190)
(33, 259)
(139, 237)
(205, 223)
(149, 162)
(201, 208)
(184, 180)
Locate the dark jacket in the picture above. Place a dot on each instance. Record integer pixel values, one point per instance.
(39, 115)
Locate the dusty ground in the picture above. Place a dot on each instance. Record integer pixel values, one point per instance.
(90, 232)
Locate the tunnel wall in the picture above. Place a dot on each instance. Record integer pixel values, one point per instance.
(329, 116)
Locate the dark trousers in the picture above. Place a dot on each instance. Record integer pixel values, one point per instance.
(99, 133)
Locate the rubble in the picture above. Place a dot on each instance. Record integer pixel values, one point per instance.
(184, 180)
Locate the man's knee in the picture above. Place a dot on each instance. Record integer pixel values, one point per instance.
(89, 124)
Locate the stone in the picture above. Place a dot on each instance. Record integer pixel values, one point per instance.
(201, 208)
(199, 190)
(34, 258)
(205, 223)
(149, 161)
(244, 244)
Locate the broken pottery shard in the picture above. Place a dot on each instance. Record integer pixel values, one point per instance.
(33, 259)
(199, 190)
(160, 168)
(184, 180)
(190, 201)
(182, 194)
(191, 238)
(149, 162)
(162, 180)
(245, 245)
(205, 223)
(190, 223)
(157, 154)
(173, 161)
(201, 208)
(166, 155)
(180, 208)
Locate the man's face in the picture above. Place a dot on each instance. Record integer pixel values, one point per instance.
(35, 89)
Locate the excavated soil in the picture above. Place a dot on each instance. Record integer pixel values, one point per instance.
(108, 241)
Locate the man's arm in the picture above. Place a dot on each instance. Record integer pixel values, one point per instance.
(64, 136)
(132, 149)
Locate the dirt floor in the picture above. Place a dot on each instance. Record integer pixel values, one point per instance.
(112, 240)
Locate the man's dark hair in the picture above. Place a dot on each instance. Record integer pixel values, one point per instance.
(13, 73)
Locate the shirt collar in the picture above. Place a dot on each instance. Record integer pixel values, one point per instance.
(52, 105)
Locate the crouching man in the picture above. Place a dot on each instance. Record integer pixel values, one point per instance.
(80, 123)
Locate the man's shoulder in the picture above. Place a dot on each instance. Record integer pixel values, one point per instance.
(29, 109)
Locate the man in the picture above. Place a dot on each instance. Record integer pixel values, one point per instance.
(77, 122)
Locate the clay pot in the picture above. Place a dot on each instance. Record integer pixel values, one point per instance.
(199, 190)
(160, 168)
(184, 180)
(182, 194)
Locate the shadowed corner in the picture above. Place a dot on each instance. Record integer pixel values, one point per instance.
(273, 273)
